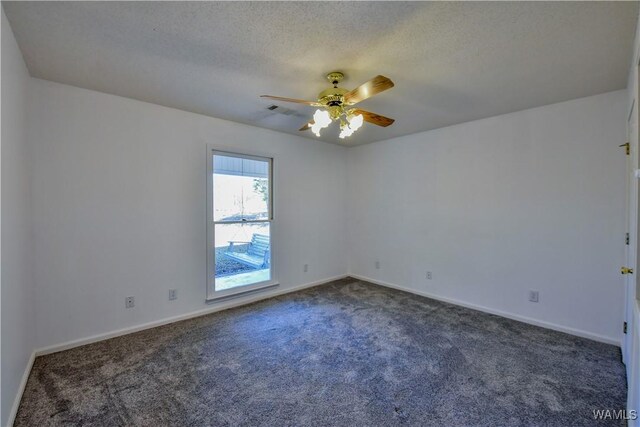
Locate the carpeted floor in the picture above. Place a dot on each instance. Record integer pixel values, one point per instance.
(343, 354)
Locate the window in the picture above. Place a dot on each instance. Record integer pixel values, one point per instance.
(239, 222)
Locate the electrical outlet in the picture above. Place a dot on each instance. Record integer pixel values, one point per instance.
(377, 264)
(429, 275)
(173, 294)
(129, 302)
(533, 296)
(305, 268)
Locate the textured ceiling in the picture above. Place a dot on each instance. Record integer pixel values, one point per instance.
(451, 62)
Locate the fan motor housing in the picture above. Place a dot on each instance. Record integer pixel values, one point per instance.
(332, 96)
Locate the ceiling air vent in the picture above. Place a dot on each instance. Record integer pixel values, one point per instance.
(284, 111)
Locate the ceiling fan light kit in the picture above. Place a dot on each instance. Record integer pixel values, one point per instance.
(335, 104)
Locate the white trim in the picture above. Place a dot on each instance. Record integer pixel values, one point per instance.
(223, 306)
(21, 387)
(541, 323)
(239, 292)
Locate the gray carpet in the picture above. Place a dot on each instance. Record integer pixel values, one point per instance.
(343, 354)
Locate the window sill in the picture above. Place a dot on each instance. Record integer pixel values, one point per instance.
(242, 292)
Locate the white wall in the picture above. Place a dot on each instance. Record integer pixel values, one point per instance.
(120, 195)
(17, 318)
(496, 207)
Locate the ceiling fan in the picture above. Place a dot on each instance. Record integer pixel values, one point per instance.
(335, 104)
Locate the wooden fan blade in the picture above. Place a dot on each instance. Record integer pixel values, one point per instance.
(297, 101)
(374, 118)
(306, 126)
(367, 90)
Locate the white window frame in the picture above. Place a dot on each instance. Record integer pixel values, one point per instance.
(212, 294)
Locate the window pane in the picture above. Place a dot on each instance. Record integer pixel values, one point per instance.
(240, 189)
(242, 254)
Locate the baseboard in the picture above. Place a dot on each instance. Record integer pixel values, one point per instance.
(23, 384)
(222, 306)
(513, 316)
